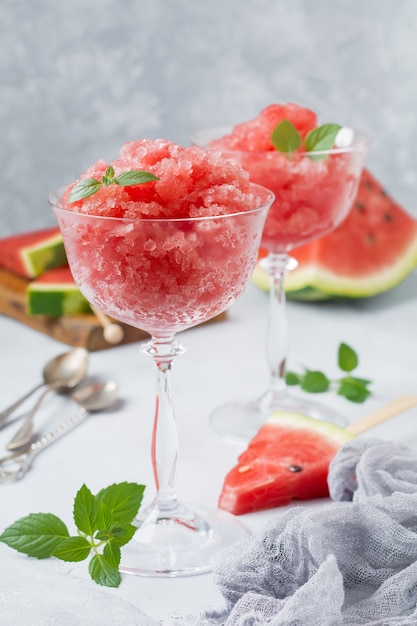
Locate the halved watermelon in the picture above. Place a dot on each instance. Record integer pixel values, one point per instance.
(31, 254)
(287, 459)
(373, 250)
(54, 294)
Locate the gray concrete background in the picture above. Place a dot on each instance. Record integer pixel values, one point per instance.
(80, 78)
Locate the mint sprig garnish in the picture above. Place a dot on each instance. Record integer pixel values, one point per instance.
(286, 138)
(89, 186)
(104, 525)
(321, 138)
(350, 387)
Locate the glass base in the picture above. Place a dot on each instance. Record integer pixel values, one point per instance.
(240, 421)
(180, 541)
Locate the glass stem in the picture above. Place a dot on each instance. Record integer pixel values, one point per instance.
(164, 435)
(277, 339)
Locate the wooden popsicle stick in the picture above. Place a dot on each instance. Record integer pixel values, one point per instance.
(112, 332)
(380, 415)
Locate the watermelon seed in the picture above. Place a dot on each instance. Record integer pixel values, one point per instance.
(244, 468)
(388, 217)
(295, 468)
(360, 207)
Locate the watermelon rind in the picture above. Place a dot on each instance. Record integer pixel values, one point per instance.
(55, 299)
(314, 283)
(371, 285)
(298, 286)
(299, 421)
(50, 254)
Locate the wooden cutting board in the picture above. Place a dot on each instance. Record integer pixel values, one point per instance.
(77, 330)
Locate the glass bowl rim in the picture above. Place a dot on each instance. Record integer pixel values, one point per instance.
(362, 141)
(55, 195)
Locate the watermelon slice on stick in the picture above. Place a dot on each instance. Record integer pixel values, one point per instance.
(31, 254)
(372, 251)
(289, 457)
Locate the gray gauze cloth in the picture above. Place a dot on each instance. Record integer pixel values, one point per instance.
(352, 561)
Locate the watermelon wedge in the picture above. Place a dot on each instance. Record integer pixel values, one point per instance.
(287, 459)
(372, 251)
(31, 254)
(54, 294)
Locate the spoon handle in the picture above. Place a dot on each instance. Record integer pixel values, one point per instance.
(25, 432)
(62, 429)
(15, 465)
(5, 414)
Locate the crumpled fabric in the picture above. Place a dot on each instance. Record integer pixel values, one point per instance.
(349, 562)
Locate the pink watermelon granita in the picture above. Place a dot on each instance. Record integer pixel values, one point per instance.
(312, 197)
(255, 135)
(170, 253)
(190, 184)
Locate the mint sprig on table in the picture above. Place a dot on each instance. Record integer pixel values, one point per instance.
(89, 186)
(104, 525)
(350, 387)
(286, 138)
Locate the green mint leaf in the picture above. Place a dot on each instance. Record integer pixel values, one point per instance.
(84, 189)
(112, 554)
(134, 177)
(291, 378)
(89, 186)
(85, 511)
(103, 572)
(347, 358)
(108, 177)
(285, 137)
(361, 381)
(122, 538)
(104, 516)
(44, 535)
(73, 549)
(37, 535)
(353, 389)
(103, 535)
(113, 533)
(122, 500)
(315, 382)
(321, 138)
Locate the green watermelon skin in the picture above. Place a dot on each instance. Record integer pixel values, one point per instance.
(372, 251)
(288, 459)
(30, 254)
(55, 294)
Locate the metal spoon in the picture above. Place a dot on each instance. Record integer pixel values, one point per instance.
(72, 368)
(94, 397)
(57, 372)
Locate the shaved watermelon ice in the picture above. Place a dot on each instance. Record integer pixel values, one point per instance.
(181, 248)
(312, 197)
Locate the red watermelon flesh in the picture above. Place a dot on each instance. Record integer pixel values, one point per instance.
(288, 459)
(373, 235)
(30, 254)
(373, 250)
